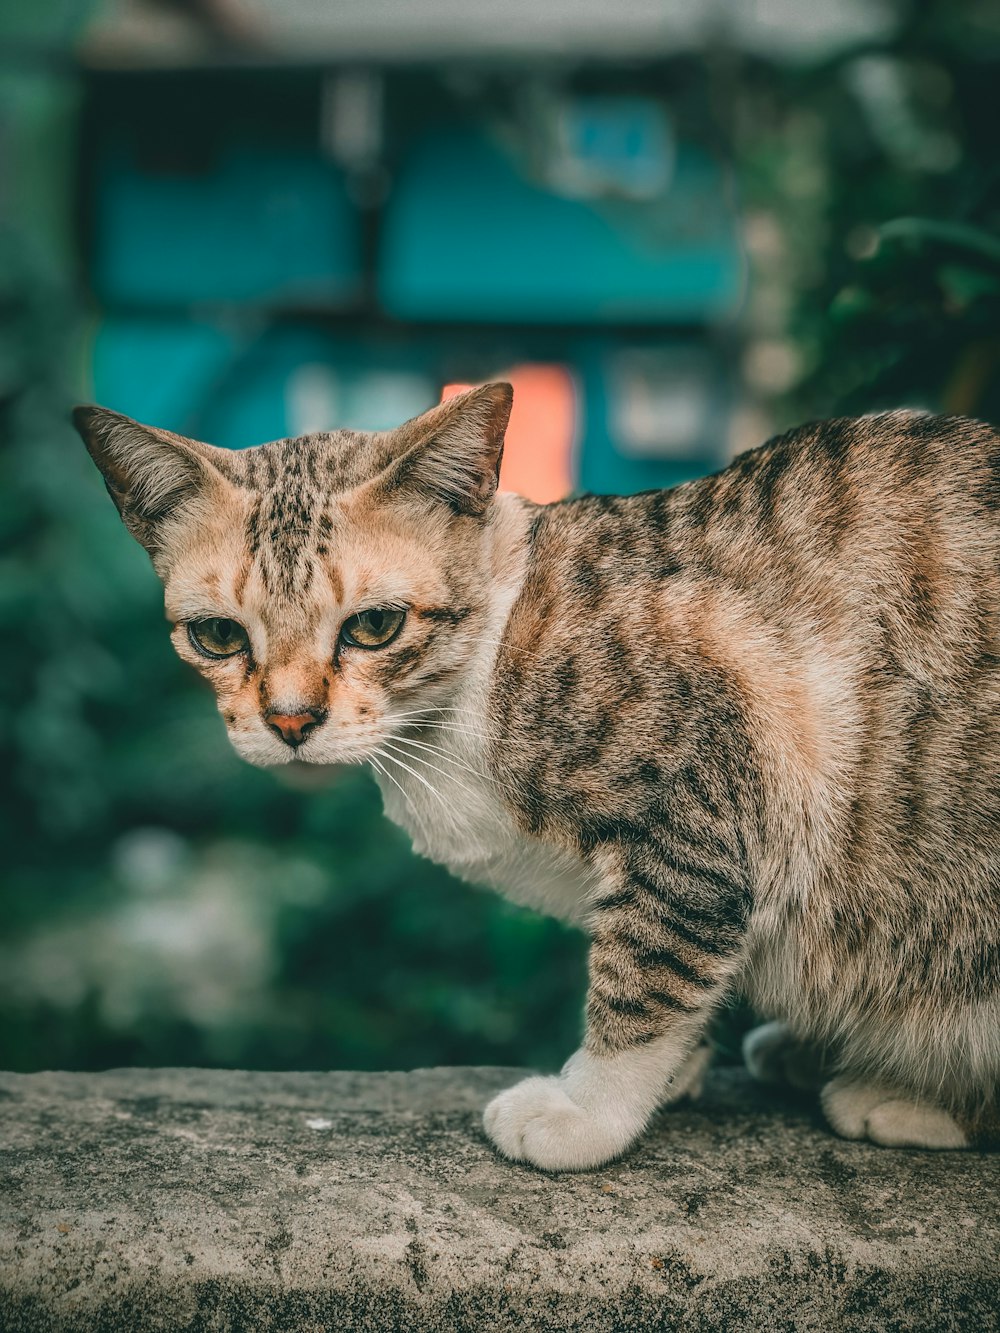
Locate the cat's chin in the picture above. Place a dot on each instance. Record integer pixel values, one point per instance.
(320, 763)
(302, 776)
(262, 755)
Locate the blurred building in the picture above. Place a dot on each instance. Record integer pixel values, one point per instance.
(304, 216)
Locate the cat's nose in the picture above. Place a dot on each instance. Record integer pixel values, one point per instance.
(293, 728)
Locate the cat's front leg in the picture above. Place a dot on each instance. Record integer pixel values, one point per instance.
(664, 947)
(592, 1111)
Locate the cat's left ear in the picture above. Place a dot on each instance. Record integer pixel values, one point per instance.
(452, 453)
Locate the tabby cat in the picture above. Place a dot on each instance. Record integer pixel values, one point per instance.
(746, 732)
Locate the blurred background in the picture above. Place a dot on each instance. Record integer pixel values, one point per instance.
(676, 228)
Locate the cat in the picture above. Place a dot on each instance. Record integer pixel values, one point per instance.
(745, 732)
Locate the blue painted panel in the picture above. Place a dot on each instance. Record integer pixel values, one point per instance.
(235, 390)
(158, 371)
(467, 236)
(256, 226)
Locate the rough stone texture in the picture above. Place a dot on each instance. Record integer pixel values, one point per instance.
(190, 1199)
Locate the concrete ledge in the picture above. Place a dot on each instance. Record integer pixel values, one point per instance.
(189, 1199)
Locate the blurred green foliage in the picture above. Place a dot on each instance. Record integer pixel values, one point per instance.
(166, 903)
(881, 175)
(162, 902)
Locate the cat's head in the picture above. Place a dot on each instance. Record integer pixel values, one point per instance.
(328, 587)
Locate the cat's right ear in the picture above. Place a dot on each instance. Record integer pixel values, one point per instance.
(452, 453)
(149, 473)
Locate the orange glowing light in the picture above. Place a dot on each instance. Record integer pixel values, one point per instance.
(538, 453)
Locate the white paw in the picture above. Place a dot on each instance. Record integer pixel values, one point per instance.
(902, 1124)
(867, 1110)
(538, 1122)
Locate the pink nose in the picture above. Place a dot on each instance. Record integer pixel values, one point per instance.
(293, 728)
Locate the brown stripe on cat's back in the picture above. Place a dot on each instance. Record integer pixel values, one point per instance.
(589, 709)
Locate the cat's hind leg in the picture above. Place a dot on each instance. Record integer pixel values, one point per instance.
(773, 1054)
(863, 1110)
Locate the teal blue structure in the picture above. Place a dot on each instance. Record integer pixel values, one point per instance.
(469, 236)
(257, 225)
(236, 386)
(247, 294)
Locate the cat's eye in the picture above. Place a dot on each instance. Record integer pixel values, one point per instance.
(217, 636)
(372, 629)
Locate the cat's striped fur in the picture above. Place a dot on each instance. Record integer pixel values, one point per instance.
(746, 732)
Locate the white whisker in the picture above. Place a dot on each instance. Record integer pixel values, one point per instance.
(380, 768)
(448, 726)
(420, 719)
(419, 759)
(423, 712)
(504, 643)
(392, 759)
(441, 752)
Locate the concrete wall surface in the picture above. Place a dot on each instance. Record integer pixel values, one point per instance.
(209, 1200)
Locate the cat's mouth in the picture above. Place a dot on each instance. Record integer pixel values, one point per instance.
(321, 754)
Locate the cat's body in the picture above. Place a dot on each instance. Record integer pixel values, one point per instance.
(745, 732)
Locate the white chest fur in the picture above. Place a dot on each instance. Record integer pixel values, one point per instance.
(454, 818)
